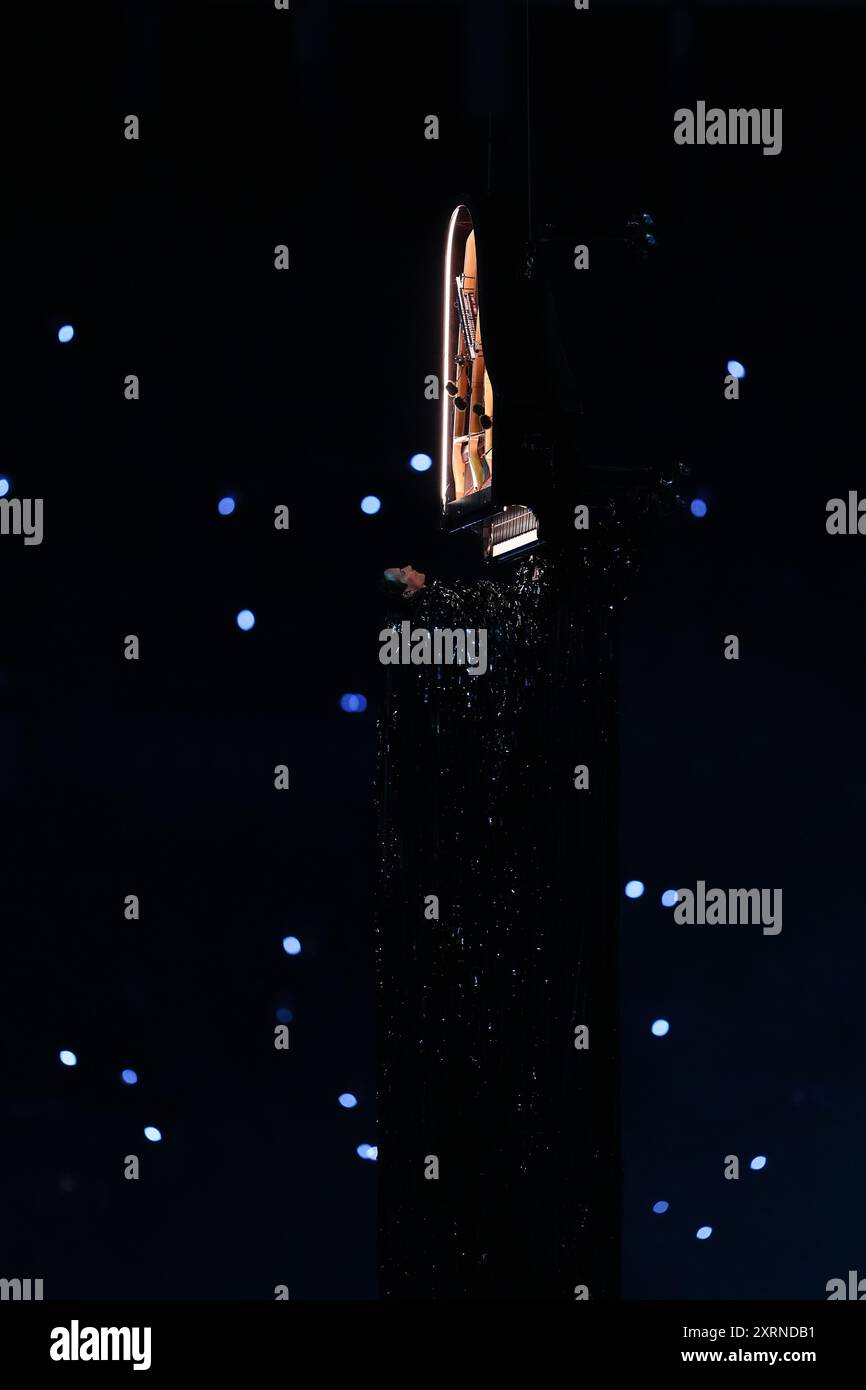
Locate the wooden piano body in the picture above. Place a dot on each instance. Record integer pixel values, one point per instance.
(468, 490)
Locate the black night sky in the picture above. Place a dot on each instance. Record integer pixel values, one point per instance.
(306, 388)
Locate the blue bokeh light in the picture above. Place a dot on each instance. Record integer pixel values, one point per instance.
(4, 486)
(698, 507)
(367, 1151)
(68, 1058)
(291, 946)
(347, 1100)
(152, 1133)
(246, 619)
(128, 1076)
(370, 505)
(66, 333)
(421, 462)
(758, 1162)
(634, 888)
(659, 1207)
(353, 704)
(736, 369)
(670, 897)
(660, 1028)
(225, 506)
(285, 1015)
(703, 1232)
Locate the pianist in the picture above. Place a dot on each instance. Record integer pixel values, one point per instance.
(404, 580)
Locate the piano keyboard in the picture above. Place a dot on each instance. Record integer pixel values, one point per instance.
(514, 529)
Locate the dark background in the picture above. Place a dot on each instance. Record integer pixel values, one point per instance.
(306, 388)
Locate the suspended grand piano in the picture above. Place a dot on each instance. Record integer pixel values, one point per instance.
(470, 491)
(537, 362)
